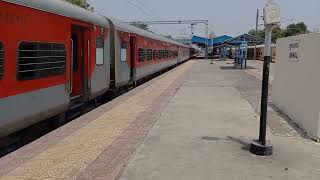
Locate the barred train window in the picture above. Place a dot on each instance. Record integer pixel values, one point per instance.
(39, 60)
(141, 55)
(155, 54)
(149, 54)
(165, 54)
(1, 60)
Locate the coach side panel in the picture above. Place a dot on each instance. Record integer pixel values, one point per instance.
(34, 82)
(122, 58)
(100, 61)
(153, 56)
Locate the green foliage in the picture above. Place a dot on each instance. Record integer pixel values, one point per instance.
(141, 25)
(260, 33)
(169, 37)
(277, 32)
(296, 29)
(252, 32)
(82, 3)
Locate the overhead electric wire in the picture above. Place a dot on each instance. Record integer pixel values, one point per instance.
(141, 9)
(149, 9)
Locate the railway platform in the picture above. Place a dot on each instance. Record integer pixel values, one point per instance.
(193, 122)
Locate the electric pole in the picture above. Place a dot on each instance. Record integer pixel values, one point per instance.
(192, 29)
(262, 147)
(256, 34)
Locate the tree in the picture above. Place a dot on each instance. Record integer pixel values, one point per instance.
(260, 33)
(278, 32)
(169, 37)
(141, 25)
(252, 32)
(82, 3)
(296, 29)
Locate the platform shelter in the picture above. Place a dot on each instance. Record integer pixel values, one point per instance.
(239, 45)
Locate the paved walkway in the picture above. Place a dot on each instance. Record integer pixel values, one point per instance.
(256, 69)
(205, 130)
(193, 122)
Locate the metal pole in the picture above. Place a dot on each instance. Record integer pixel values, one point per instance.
(262, 147)
(192, 29)
(212, 45)
(265, 85)
(207, 32)
(256, 34)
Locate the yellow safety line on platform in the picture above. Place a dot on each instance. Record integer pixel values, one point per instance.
(69, 157)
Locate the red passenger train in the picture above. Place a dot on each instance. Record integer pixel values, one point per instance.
(54, 55)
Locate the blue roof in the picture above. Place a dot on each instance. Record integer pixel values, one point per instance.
(244, 38)
(214, 41)
(219, 40)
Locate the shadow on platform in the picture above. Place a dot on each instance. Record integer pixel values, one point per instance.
(244, 144)
(233, 68)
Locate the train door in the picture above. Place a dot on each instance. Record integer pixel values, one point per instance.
(133, 48)
(77, 63)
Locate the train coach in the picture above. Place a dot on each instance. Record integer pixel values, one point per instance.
(55, 56)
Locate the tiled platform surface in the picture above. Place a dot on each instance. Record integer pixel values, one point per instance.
(98, 144)
(204, 133)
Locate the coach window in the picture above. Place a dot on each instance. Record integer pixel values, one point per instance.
(155, 54)
(123, 52)
(149, 54)
(40, 60)
(1, 60)
(141, 55)
(165, 53)
(161, 54)
(99, 51)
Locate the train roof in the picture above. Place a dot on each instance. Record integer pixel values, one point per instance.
(63, 8)
(67, 9)
(132, 29)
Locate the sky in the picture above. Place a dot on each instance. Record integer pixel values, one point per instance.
(230, 17)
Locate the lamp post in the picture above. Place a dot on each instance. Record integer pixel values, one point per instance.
(263, 147)
(256, 34)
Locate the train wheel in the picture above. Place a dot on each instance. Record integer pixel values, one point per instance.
(59, 121)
